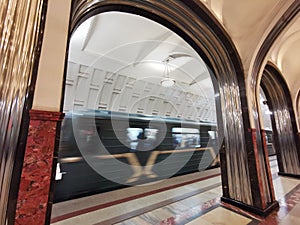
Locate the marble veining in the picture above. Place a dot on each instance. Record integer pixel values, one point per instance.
(36, 175)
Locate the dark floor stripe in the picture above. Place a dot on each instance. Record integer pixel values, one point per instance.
(140, 211)
(161, 204)
(187, 217)
(108, 204)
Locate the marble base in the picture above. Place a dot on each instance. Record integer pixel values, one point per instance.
(261, 212)
(289, 175)
(34, 197)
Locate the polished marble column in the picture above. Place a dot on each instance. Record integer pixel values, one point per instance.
(35, 192)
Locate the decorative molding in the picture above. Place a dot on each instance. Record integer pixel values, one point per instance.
(45, 115)
(141, 96)
(261, 212)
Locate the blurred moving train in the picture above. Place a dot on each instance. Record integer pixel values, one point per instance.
(102, 151)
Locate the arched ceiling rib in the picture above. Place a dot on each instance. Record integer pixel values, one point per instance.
(285, 54)
(249, 22)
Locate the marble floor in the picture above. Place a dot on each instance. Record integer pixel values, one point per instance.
(190, 199)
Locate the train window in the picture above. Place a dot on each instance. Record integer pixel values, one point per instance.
(269, 138)
(212, 134)
(151, 133)
(136, 134)
(186, 137)
(132, 134)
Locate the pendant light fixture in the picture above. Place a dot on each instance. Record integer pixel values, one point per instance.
(167, 81)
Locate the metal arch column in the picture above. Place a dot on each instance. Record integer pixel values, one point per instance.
(283, 122)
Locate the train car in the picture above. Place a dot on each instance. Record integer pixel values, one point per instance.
(103, 150)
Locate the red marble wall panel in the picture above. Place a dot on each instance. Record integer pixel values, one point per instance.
(256, 154)
(37, 171)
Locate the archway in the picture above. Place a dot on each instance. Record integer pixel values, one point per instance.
(121, 80)
(283, 121)
(196, 25)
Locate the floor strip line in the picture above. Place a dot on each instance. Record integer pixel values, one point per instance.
(161, 204)
(119, 201)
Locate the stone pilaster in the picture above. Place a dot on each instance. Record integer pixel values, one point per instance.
(35, 192)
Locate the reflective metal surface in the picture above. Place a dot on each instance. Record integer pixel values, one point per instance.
(236, 155)
(261, 162)
(298, 109)
(276, 31)
(285, 143)
(183, 16)
(19, 25)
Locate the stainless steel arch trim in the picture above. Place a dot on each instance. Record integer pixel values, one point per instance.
(290, 13)
(202, 35)
(282, 123)
(20, 23)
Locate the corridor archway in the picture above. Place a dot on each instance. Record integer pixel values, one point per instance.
(283, 120)
(242, 186)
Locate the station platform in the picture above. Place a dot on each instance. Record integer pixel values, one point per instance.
(190, 199)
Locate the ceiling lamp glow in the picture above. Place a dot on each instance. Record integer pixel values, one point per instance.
(167, 82)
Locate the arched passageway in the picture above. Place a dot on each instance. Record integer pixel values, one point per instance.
(143, 124)
(243, 182)
(285, 138)
(192, 21)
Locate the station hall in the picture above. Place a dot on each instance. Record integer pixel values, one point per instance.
(141, 112)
